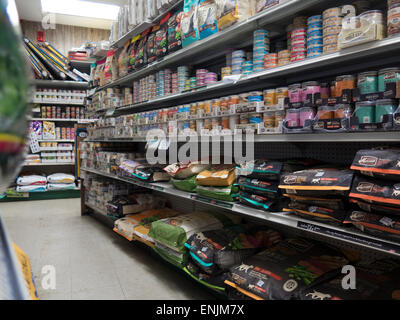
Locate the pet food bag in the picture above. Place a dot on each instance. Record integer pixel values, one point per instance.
(135, 203)
(141, 52)
(190, 29)
(150, 173)
(31, 188)
(182, 170)
(256, 201)
(376, 280)
(260, 169)
(175, 32)
(319, 214)
(129, 166)
(317, 182)
(60, 186)
(219, 176)
(188, 184)
(32, 180)
(376, 191)
(171, 234)
(230, 12)
(60, 178)
(123, 60)
(133, 47)
(151, 46)
(331, 203)
(207, 18)
(214, 281)
(280, 272)
(265, 4)
(379, 163)
(111, 67)
(372, 207)
(161, 44)
(229, 193)
(387, 227)
(259, 187)
(126, 225)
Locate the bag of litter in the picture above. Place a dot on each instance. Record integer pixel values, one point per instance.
(32, 180)
(31, 188)
(280, 272)
(60, 186)
(380, 163)
(60, 178)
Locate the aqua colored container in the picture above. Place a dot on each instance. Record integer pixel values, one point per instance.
(386, 76)
(365, 112)
(368, 82)
(385, 106)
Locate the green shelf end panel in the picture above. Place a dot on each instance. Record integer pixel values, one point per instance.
(49, 195)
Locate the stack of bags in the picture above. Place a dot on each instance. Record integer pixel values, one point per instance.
(376, 193)
(258, 184)
(60, 181)
(31, 183)
(318, 194)
(171, 234)
(212, 253)
(144, 172)
(137, 226)
(219, 183)
(183, 175)
(124, 205)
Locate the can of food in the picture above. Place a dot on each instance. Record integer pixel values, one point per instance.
(270, 97)
(342, 111)
(365, 112)
(387, 75)
(368, 82)
(384, 106)
(293, 118)
(269, 119)
(325, 112)
(279, 117)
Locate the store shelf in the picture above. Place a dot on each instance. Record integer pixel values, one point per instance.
(142, 27)
(287, 219)
(98, 210)
(59, 103)
(387, 136)
(60, 84)
(50, 164)
(57, 140)
(54, 119)
(12, 282)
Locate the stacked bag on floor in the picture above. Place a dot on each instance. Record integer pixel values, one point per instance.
(213, 252)
(123, 205)
(285, 270)
(258, 183)
(219, 183)
(31, 183)
(318, 194)
(60, 181)
(183, 175)
(376, 193)
(171, 234)
(137, 226)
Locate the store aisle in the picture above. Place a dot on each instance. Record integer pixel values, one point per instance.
(91, 261)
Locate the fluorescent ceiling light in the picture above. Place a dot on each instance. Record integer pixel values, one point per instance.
(81, 8)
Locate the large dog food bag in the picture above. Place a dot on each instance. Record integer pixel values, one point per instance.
(189, 25)
(61, 178)
(280, 272)
(171, 234)
(218, 176)
(182, 170)
(31, 180)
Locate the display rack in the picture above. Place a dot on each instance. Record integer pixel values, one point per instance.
(282, 218)
(12, 282)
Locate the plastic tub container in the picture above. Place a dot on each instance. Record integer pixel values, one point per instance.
(387, 75)
(384, 106)
(365, 112)
(368, 82)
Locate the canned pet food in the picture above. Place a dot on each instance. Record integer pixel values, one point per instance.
(270, 97)
(365, 112)
(306, 114)
(342, 111)
(279, 117)
(269, 119)
(293, 118)
(384, 106)
(368, 82)
(325, 112)
(295, 93)
(387, 75)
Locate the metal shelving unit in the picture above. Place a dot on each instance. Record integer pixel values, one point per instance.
(347, 235)
(59, 103)
(60, 84)
(12, 282)
(50, 164)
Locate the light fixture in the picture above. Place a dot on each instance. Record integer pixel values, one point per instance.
(81, 8)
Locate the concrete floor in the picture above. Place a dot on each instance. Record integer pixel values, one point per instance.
(91, 261)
